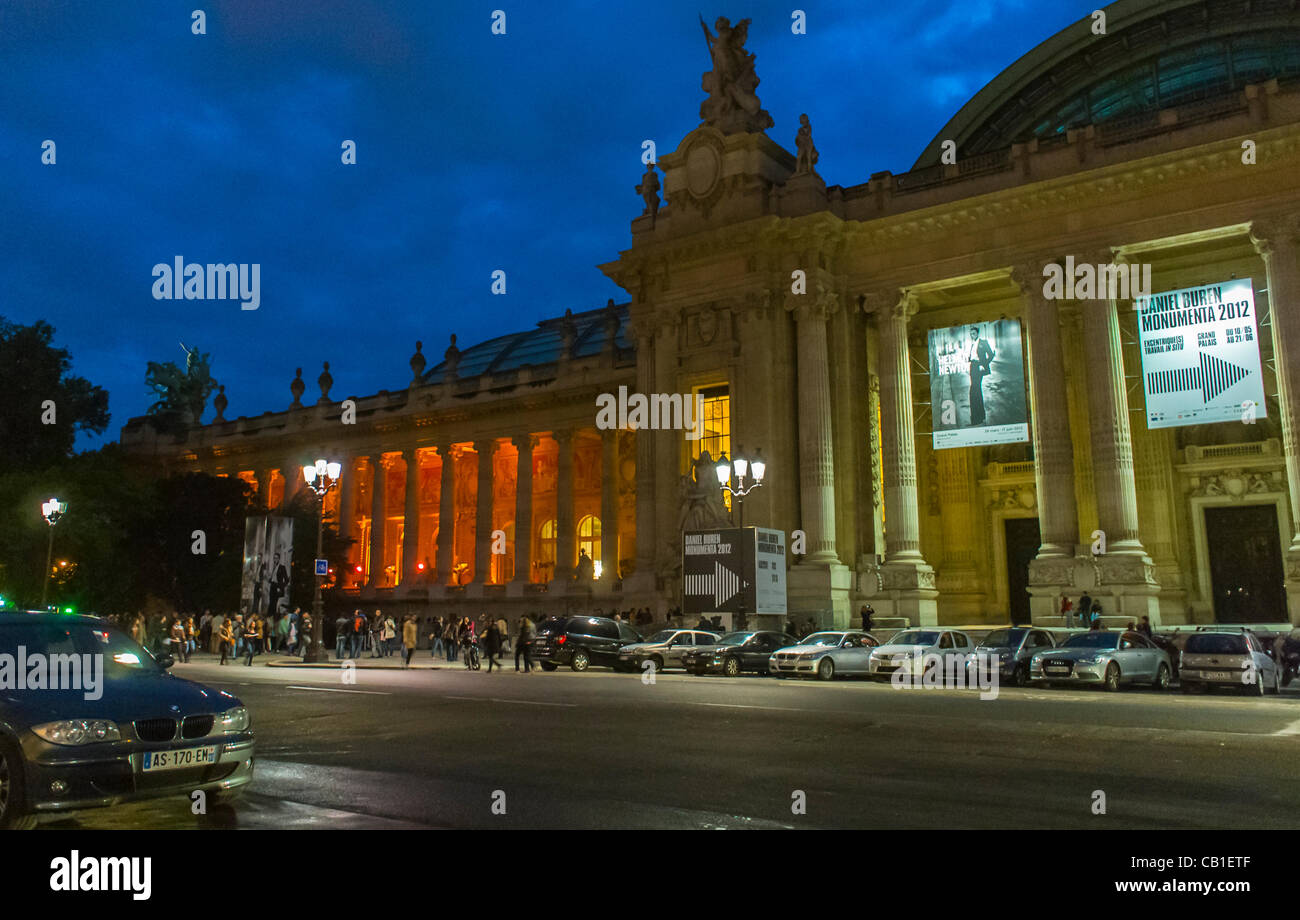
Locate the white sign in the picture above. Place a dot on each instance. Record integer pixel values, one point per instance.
(769, 571)
(1200, 355)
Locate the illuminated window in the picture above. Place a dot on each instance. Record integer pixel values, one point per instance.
(544, 564)
(589, 540)
(715, 407)
(503, 564)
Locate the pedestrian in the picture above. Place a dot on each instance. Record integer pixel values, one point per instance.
(252, 639)
(410, 636)
(435, 638)
(304, 634)
(468, 638)
(205, 630)
(1144, 627)
(492, 644)
(226, 639)
(1094, 618)
(867, 612)
(189, 637)
(524, 644)
(180, 647)
(342, 629)
(390, 635)
(282, 625)
(505, 632)
(1085, 608)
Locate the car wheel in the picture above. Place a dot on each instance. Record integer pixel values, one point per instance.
(1277, 682)
(549, 665)
(1021, 676)
(731, 667)
(1112, 677)
(1257, 688)
(580, 661)
(1162, 677)
(826, 669)
(12, 794)
(658, 663)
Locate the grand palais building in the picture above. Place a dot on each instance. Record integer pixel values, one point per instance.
(1060, 355)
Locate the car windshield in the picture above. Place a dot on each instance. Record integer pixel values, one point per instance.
(827, 638)
(915, 637)
(662, 636)
(1215, 644)
(735, 638)
(121, 655)
(1003, 638)
(1092, 640)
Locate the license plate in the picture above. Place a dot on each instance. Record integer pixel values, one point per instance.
(155, 761)
(1057, 670)
(1221, 675)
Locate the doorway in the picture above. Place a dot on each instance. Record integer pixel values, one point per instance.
(1246, 564)
(1023, 541)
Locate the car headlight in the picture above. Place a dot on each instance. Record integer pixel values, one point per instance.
(233, 720)
(78, 731)
(1088, 659)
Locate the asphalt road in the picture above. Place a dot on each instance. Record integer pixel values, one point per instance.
(437, 748)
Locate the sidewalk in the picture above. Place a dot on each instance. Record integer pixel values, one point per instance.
(422, 661)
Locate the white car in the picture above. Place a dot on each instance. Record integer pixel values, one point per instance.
(825, 654)
(909, 649)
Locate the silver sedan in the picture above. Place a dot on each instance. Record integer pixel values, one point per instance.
(1106, 658)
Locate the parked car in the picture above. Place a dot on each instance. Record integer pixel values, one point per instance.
(581, 642)
(736, 652)
(665, 648)
(134, 732)
(1109, 658)
(1011, 648)
(1229, 659)
(909, 648)
(825, 654)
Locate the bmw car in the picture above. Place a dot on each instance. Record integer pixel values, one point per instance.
(911, 649)
(825, 654)
(1012, 649)
(88, 719)
(1111, 659)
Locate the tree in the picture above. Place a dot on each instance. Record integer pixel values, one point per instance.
(197, 541)
(45, 406)
(182, 395)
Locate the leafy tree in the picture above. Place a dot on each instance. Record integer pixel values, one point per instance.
(197, 511)
(32, 372)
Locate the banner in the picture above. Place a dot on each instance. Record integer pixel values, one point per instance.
(731, 570)
(977, 385)
(1200, 355)
(268, 558)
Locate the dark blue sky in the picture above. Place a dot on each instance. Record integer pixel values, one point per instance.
(475, 152)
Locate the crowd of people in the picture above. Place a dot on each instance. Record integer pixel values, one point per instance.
(233, 636)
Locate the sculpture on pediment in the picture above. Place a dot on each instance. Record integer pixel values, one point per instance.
(648, 189)
(732, 106)
(806, 157)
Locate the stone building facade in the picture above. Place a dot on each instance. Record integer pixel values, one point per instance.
(799, 313)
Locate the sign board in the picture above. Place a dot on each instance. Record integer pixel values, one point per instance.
(322, 567)
(730, 570)
(268, 557)
(977, 385)
(1200, 355)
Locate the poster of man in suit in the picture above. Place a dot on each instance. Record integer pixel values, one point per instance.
(977, 385)
(268, 559)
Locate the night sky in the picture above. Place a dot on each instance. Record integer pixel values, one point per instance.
(475, 152)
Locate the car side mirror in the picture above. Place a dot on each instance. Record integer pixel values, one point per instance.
(165, 661)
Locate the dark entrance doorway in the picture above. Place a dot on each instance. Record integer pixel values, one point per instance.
(1023, 541)
(1246, 564)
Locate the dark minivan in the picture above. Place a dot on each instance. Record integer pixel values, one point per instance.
(581, 642)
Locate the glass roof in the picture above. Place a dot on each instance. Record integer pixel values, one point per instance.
(537, 346)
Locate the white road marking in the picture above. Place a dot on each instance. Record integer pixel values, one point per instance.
(535, 703)
(743, 706)
(337, 690)
(1292, 729)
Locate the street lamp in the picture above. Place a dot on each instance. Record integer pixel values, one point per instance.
(320, 477)
(53, 511)
(740, 468)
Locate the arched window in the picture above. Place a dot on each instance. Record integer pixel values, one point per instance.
(589, 540)
(544, 564)
(503, 564)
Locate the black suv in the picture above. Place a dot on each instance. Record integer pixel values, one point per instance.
(581, 641)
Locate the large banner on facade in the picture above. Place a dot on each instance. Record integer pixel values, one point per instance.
(730, 570)
(1200, 355)
(977, 385)
(268, 558)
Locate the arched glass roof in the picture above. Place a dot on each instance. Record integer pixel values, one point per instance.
(1154, 55)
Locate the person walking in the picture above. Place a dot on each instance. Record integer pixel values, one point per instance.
(357, 633)
(342, 629)
(304, 634)
(252, 639)
(524, 644)
(451, 639)
(410, 636)
(226, 639)
(376, 634)
(1085, 608)
(390, 634)
(492, 644)
(180, 646)
(435, 638)
(504, 630)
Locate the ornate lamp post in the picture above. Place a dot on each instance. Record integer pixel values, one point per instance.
(737, 470)
(320, 477)
(53, 511)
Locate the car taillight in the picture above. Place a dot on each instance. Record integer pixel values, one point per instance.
(559, 640)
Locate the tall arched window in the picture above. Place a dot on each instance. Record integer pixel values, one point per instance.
(544, 564)
(589, 540)
(503, 564)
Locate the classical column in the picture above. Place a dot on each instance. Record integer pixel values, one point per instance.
(292, 473)
(1058, 517)
(1275, 241)
(816, 449)
(447, 514)
(565, 538)
(347, 501)
(264, 478)
(524, 443)
(902, 519)
(609, 507)
(1111, 441)
(645, 462)
(411, 519)
(378, 489)
(483, 517)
